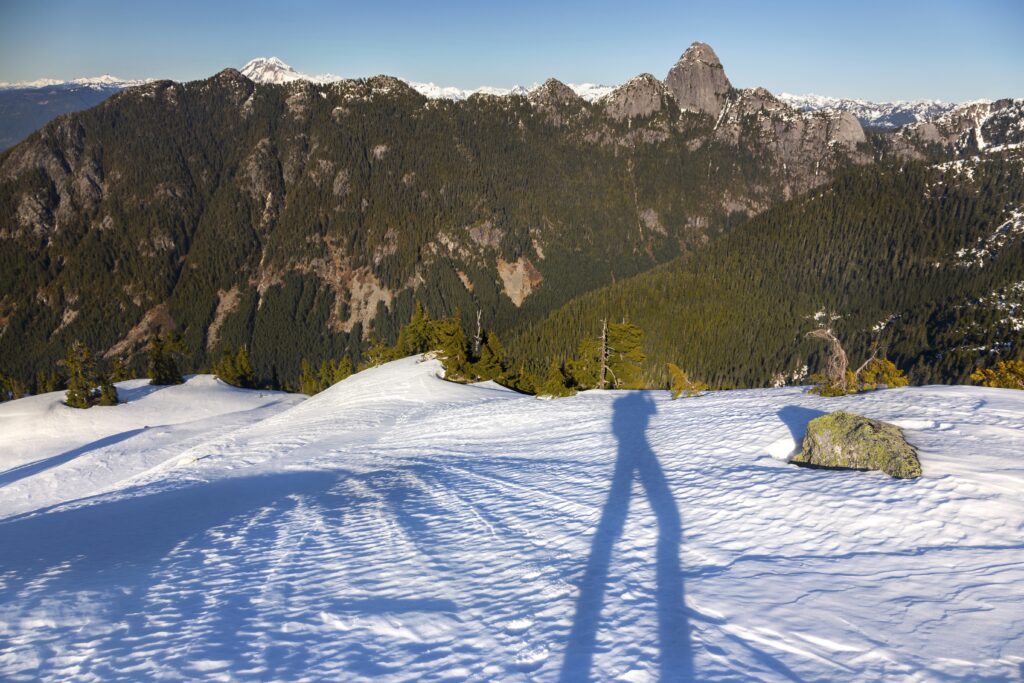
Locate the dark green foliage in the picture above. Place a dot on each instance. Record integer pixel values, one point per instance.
(108, 392)
(289, 208)
(47, 381)
(625, 356)
(236, 369)
(10, 388)
(119, 372)
(162, 368)
(87, 384)
(556, 382)
(331, 372)
(880, 243)
(491, 363)
(80, 368)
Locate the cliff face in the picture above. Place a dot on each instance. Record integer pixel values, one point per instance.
(698, 80)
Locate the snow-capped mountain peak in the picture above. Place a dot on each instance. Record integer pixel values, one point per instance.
(106, 81)
(274, 71)
(884, 115)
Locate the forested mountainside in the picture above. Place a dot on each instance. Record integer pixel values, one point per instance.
(926, 259)
(301, 219)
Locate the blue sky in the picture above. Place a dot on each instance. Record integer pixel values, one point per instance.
(869, 49)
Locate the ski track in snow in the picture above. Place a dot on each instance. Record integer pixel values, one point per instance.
(400, 527)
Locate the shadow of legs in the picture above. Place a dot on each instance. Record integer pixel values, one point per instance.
(580, 650)
(676, 662)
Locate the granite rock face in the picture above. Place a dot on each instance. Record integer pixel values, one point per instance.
(639, 97)
(843, 440)
(698, 80)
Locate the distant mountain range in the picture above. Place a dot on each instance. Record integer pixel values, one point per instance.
(881, 115)
(27, 105)
(306, 216)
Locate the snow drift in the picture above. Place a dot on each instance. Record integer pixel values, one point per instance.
(398, 526)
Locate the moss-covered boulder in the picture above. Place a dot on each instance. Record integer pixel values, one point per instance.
(847, 441)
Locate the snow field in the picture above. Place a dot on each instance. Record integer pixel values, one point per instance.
(401, 527)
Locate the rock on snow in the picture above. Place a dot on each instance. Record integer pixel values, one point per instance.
(397, 526)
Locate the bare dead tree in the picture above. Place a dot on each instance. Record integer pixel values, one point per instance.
(479, 336)
(837, 363)
(875, 348)
(604, 354)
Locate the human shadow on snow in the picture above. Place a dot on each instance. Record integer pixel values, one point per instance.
(632, 413)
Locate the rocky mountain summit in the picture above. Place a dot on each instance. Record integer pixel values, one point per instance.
(698, 81)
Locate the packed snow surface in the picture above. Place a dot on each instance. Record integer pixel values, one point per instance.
(400, 527)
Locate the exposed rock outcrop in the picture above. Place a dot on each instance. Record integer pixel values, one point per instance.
(638, 97)
(846, 441)
(698, 80)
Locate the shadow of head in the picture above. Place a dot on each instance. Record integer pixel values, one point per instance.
(632, 412)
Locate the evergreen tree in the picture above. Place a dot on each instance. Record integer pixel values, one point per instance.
(309, 381)
(119, 372)
(163, 370)
(585, 368)
(246, 376)
(418, 336)
(47, 381)
(341, 370)
(108, 392)
(226, 369)
(682, 385)
(453, 347)
(625, 355)
(556, 383)
(491, 363)
(80, 367)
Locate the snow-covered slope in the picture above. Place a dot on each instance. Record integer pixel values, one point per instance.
(884, 115)
(400, 527)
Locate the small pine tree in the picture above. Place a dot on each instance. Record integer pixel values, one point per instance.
(625, 355)
(1007, 374)
(162, 369)
(585, 369)
(491, 364)
(879, 372)
(342, 370)
(682, 385)
(309, 382)
(119, 372)
(379, 353)
(10, 388)
(108, 392)
(47, 381)
(226, 370)
(453, 346)
(417, 336)
(556, 384)
(246, 377)
(80, 367)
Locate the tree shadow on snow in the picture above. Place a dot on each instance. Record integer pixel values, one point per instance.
(28, 469)
(632, 413)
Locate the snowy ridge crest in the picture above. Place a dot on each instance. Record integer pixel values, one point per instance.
(271, 70)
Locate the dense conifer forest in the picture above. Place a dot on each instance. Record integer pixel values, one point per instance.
(925, 260)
